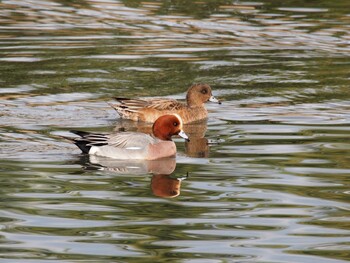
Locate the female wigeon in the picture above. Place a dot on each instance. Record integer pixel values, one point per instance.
(148, 110)
(134, 145)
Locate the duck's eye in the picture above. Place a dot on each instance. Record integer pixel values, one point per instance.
(204, 91)
(175, 124)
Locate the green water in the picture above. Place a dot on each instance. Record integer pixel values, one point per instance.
(265, 179)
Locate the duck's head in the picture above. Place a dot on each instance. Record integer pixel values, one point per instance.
(168, 125)
(200, 93)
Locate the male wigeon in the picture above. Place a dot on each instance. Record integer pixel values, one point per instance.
(148, 110)
(134, 145)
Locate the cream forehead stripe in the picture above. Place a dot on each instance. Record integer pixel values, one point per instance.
(178, 116)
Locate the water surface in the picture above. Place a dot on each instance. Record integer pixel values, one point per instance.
(265, 179)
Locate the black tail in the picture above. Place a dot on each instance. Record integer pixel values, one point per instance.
(80, 142)
(80, 133)
(83, 146)
(88, 140)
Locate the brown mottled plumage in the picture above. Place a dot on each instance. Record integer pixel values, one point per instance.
(148, 110)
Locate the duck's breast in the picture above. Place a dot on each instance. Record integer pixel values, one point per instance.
(161, 149)
(193, 114)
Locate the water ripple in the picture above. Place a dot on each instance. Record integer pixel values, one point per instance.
(264, 179)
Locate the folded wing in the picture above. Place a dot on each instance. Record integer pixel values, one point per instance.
(125, 140)
(134, 105)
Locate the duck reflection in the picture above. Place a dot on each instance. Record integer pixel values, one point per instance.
(163, 183)
(166, 185)
(196, 147)
(132, 167)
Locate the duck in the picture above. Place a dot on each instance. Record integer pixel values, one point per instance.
(148, 110)
(134, 145)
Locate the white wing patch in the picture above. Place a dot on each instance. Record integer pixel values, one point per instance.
(133, 148)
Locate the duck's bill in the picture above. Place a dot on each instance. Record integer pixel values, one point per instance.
(213, 99)
(184, 135)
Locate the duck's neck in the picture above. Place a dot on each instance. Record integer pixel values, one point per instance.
(194, 102)
(161, 135)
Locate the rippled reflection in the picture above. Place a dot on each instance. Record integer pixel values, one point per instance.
(163, 183)
(268, 171)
